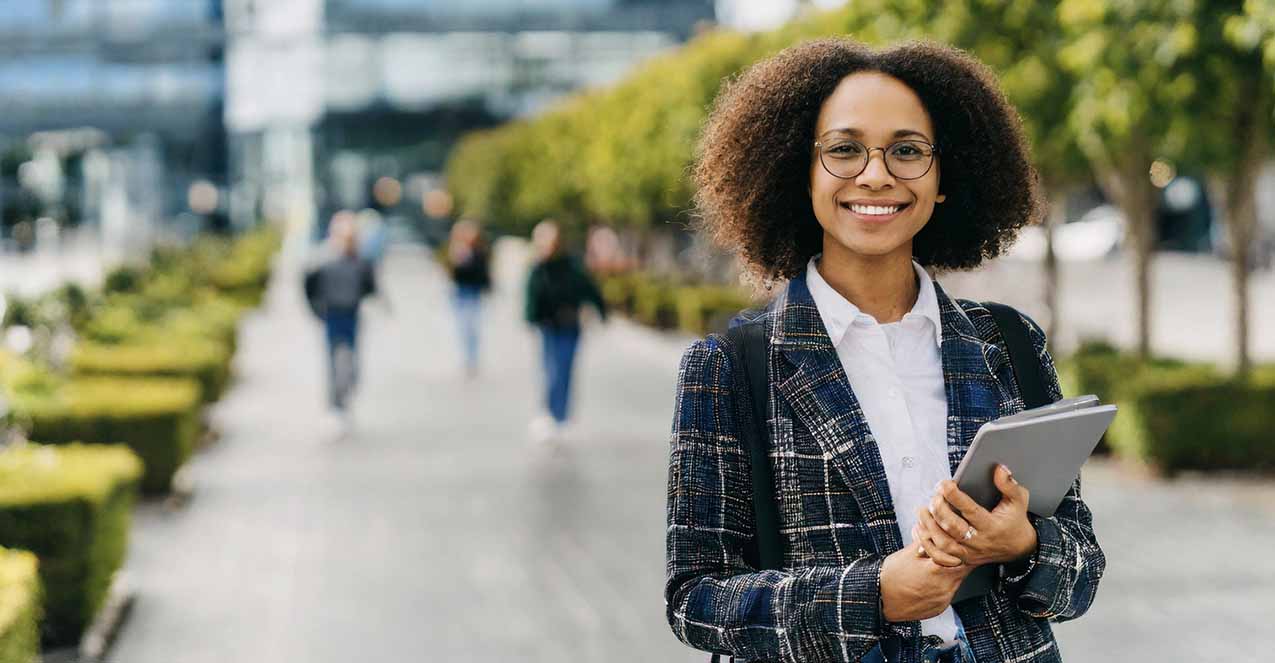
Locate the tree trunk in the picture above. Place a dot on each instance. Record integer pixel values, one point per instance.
(1054, 218)
(1129, 185)
(1241, 214)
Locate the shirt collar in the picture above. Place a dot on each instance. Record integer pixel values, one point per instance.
(839, 313)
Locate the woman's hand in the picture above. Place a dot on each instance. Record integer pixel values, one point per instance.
(956, 531)
(914, 588)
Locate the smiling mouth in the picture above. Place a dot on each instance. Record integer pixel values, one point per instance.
(874, 210)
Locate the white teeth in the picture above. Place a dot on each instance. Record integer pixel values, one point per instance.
(875, 209)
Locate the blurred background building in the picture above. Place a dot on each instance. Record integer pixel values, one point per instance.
(137, 117)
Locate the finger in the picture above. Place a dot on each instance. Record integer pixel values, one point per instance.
(918, 549)
(967, 508)
(941, 547)
(1016, 493)
(949, 520)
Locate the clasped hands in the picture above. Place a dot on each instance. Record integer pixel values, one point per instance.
(954, 535)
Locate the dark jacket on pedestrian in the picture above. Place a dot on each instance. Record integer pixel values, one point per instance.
(836, 519)
(474, 270)
(556, 290)
(339, 285)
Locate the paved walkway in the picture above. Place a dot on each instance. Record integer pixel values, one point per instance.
(433, 533)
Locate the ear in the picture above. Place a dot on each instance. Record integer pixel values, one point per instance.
(940, 198)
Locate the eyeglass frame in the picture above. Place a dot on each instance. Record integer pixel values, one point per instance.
(933, 148)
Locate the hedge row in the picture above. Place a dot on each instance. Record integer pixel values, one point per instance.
(19, 607)
(664, 304)
(157, 418)
(155, 345)
(1177, 415)
(205, 362)
(71, 506)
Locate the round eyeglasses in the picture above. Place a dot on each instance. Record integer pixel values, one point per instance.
(846, 158)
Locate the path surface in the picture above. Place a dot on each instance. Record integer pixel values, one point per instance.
(434, 533)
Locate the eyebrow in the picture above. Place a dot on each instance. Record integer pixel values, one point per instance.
(898, 133)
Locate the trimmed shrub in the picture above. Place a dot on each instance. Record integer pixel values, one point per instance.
(71, 506)
(1099, 368)
(1195, 419)
(19, 607)
(618, 290)
(203, 360)
(1176, 415)
(157, 418)
(709, 308)
(654, 304)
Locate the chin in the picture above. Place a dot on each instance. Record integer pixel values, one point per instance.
(869, 247)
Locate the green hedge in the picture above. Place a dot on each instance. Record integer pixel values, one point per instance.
(19, 607)
(203, 360)
(709, 308)
(71, 506)
(158, 418)
(660, 303)
(1176, 415)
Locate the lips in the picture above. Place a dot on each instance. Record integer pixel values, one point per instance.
(874, 210)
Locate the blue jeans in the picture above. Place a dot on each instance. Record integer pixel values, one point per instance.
(342, 330)
(958, 653)
(468, 304)
(559, 357)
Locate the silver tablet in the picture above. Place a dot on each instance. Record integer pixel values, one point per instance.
(1064, 405)
(1044, 448)
(1045, 454)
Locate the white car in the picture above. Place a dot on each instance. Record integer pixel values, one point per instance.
(1095, 235)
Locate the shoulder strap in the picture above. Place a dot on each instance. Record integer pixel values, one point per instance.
(1027, 370)
(748, 346)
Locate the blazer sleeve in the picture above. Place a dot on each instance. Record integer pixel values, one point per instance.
(716, 601)
(1060, 580)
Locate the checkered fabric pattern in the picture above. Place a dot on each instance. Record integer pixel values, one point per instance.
(837, 519)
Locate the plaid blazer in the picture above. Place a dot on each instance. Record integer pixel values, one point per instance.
(836, 518)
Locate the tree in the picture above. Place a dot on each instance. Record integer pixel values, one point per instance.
(1240, 108)
(1131, 107)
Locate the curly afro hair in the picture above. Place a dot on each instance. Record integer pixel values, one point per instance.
(752, 171)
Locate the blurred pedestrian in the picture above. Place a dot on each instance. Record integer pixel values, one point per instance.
(558, 287)
(469, 261)
(872, 381)
(335, 289)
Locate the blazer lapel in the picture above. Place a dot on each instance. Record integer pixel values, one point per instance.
(975, 373)
(811, 379)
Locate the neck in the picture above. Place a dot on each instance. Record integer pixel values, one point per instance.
(885, 287)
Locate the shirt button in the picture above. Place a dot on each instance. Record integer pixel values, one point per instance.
(909, 462)
(892, 392)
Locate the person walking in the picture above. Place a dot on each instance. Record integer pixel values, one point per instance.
(335, 289)
(558, 287)
(875, 379)
(469, 261)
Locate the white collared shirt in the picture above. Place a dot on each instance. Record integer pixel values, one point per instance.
(896, 373)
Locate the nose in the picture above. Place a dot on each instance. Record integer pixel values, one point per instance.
(875, 175)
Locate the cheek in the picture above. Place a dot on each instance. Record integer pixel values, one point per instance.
(823, 188)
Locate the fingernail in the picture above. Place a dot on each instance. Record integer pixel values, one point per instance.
(931, 508)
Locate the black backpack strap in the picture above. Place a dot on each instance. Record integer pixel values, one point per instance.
(1022, 354)
(748, 345)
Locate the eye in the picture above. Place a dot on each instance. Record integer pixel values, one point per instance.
(844, 149)
(909, 150)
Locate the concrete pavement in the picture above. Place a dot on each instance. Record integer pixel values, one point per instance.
(434, 533)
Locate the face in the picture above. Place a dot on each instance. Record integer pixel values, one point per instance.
(874, 214)
(545, 238)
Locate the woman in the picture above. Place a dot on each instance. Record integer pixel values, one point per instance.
(558, 286)
(469, 259)
(845, 170)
